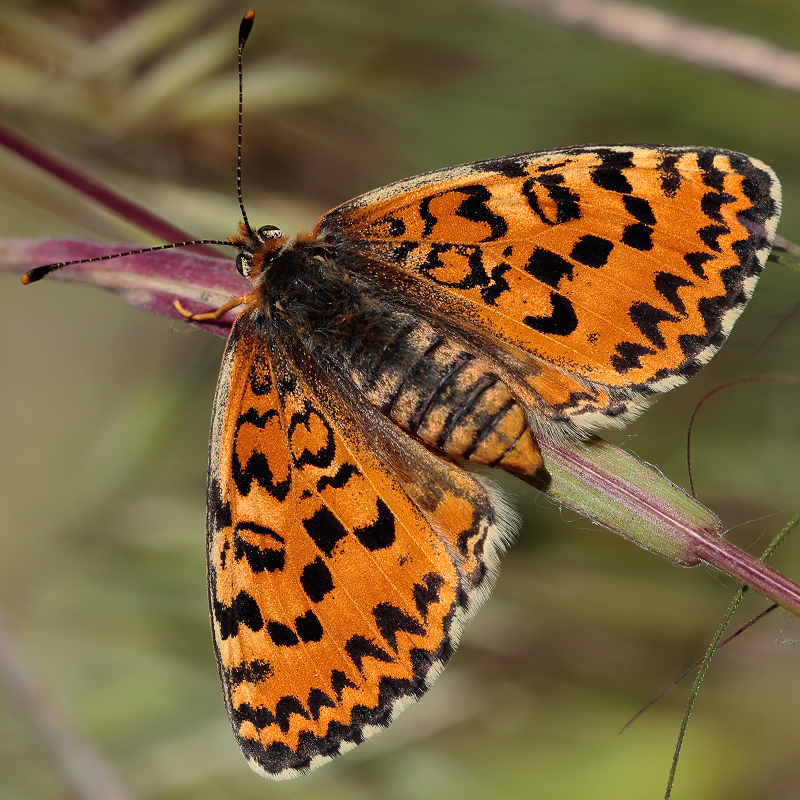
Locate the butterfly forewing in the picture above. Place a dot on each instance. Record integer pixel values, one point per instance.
(338, 578)
(623, 267)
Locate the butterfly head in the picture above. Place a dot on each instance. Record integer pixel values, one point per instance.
(257, 248)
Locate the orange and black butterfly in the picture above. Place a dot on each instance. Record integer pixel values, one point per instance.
(448, 320)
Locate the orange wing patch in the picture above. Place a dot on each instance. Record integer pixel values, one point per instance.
(338, 580)
(622, 267)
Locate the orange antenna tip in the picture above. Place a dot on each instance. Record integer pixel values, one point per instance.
(35, 274)
(246, 26)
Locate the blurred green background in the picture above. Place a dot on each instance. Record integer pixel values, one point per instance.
(104, 420)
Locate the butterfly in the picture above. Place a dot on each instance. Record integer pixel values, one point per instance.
(444, 322)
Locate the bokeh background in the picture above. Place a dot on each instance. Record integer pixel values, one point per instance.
(104, 410)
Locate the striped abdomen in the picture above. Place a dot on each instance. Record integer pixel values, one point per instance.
(452, 400)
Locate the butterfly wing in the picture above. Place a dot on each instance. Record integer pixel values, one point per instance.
(623, 268)
(341, 564)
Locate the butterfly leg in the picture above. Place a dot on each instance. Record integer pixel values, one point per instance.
(211, 315)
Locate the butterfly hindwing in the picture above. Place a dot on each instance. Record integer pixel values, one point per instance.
(343, 557)
(623, 268)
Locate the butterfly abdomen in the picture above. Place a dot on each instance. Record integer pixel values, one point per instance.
(431, 385)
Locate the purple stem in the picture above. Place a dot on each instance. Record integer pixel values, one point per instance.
(128, 210)
(722, 555)
(616, 490)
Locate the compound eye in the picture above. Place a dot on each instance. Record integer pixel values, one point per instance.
(269, 232)
(243, 261)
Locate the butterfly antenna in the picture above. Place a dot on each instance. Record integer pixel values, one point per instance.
(244, 31)
(37, 273)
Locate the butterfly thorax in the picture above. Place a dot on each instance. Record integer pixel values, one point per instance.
(303, 289)
(424, 378)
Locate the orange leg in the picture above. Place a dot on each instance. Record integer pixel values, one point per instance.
(211, 315)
